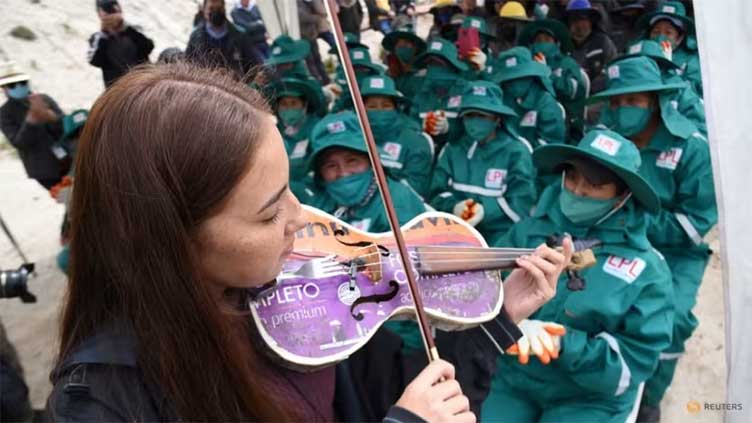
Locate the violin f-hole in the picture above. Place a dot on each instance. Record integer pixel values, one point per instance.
(377, 298)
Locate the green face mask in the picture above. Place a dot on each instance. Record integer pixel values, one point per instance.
(518, 88)
(631, 120)
(350, 190)
(291, 117)
(383, 122)
(478, 128)
(548, 49)
(405, 54)
(584, 211)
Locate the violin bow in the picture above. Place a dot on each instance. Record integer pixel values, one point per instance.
(386, 196)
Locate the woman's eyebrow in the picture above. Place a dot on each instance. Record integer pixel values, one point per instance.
(273, 199)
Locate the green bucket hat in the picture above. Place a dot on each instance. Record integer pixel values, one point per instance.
(609, 149)
(486, 97)
(446, 50)
(351, 41)
(517, 62)
(633, 75)
(73, 122)
(287, 50)
(406, 32)
(660, 53)
(479, 24)
(307, 89)
(551, 27)
(672, 11)
(380, 85)
(336, 130)
(360, 56)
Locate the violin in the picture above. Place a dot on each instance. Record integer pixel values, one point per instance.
(309, 321)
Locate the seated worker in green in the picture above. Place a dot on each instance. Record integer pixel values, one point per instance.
(600, 336)
(298, 107)
(550, 43)
(670, 22)
(477, 58)
(440, 91)
(406, 152)
(486, 178)
(676, 162)
(528, 91)
(363, 67)
(403, 46)
(344, 183)
(685, 100)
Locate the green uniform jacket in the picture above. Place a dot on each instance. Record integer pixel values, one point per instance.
(677, 166)
(688, 103)
(689, 64)
(498, 174)
(616, 326)
(571, 85)
(429, 98)
(542, 119)
(407, 154)
(407, 83)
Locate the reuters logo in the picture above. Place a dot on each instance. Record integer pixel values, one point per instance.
(693, 407)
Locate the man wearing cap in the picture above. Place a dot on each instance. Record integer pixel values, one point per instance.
(511, 19)
(670, 22)
(219, 42)
(676, 162)
(117, 46)
(487, 177)
(599, 339)
(403, 46)
(527, 89)
(32, 124)
(406, 152)
(550, 44)
(592, 47)
(344, 183)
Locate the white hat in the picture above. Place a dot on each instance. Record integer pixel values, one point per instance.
(10, 73)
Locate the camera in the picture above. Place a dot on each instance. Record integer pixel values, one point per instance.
(13, 283)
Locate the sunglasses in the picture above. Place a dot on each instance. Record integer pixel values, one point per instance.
(15, 84)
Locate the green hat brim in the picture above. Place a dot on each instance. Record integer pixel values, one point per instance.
(299, 51)
(457, 63)
(496, 110)
(356, 44)
(656, 87)
(548, 157)
(391, 38)
(299, 88)
(368, 64)
(660, 60)
(367, 91)
(644, 22)
(529, 31)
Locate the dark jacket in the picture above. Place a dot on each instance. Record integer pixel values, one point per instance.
(34, 142)
(116, 53)
(350, 16)
(101, 381)
(592, 55)
(251, 21)
(235, 50)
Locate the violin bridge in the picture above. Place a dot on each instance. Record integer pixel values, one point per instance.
(371, 258)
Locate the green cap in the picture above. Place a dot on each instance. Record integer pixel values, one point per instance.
(486, 97)
(672, 11)
(360, 56)
(351, 40)
(337, 130)
(633, 75)
(661, 53)
(73, 122)
(446, 50)
(517, 62)
(310, 90)
(609, 149)
(288, 50)
(406, 32)
(551, 27)
(380, 85)
(477, 23)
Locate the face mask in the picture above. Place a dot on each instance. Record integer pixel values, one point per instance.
(350, 190)
(217, 18)
(584, 211)
(518, 88)
(478, 128)
(19, 92)
(439, 72)
(383, 121)
(404, 54)
(631, 120)
(548, 49)
(661, 38)
(291, 117)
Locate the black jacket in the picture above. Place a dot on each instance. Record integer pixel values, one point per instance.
(116, 53)
(251, 21)
(235, 50)
(593, 55)
(33, 142)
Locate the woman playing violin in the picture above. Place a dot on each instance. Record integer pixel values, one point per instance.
(181, 205)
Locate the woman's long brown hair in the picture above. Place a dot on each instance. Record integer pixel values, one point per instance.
(163, 147)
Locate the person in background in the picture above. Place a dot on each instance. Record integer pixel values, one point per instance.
(512, 17)
(486, 178)
(117, 46)
(592, 46)
(477, 58)
(288, 57)
(383, 15)
(247, 15)
(310, 15)
(442, 12)
(32, 124)
(350, 16)
(670, 23)
(218, 42)
(171, 55)
(364, 67)
(471, 8)
(403, 47)
(676, 163)
(624, 19)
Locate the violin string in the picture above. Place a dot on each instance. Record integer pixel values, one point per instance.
(510, 261)
(519, 253)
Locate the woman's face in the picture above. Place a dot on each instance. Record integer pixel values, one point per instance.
(245, 243)
(288, 102)
(337, 162)
(379, 102)
(576, 183)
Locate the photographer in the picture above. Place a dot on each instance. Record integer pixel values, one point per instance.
(118, 46)
(31, 122)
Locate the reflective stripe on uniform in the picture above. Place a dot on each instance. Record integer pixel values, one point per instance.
(430, 144)
(626, 374)
(574, 88)
(669, 356)
(445, 194)
(595, 52)
(392, 164)
(508, 209)
(689, 228)
(541, 141)
(525, 142)
(474, 189)
(471, 150)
